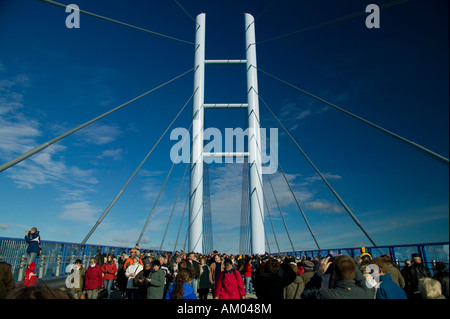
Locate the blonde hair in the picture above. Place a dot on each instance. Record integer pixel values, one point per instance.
(430, 288)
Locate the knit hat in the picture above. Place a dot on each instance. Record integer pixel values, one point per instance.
(147, 262)
(307, 264)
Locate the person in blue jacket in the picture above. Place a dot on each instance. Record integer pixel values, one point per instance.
(33, 239)
(387, 288)
(182, 289)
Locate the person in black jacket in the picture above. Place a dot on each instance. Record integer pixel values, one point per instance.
(412, 276)
(441, 275)
(270, 284)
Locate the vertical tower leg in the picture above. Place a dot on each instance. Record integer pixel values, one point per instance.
(254, 143)
(196, 181)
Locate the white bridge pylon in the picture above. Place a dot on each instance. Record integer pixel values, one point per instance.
(255, 194)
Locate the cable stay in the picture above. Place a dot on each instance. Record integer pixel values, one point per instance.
(244, 241)
(416, 146)
(281, 213)
(186, 237)
(181, 222)
(173, 208)
(116, 21)
(298, 204)
(165, 181)
(271, 222)
(267, 242)
(207, 224)
(185, 11)
(321, 176)
(133, 175)
(290, 188)
(348, 17)
(271, 3)
(47, 144)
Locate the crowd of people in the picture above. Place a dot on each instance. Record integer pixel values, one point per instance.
(147, 275)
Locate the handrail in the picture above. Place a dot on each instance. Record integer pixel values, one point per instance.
(55, 257)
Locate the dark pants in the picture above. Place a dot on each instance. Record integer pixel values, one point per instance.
(133, 293)
(203, 293)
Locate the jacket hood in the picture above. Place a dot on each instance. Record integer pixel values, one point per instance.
(32, 266)
(188, 289)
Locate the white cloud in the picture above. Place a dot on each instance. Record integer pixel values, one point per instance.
(115, 154)
(328, 176)
(19, 134)
(99, 134)
(324, 206)
(45, 167)
(82, 211)
(293, 112)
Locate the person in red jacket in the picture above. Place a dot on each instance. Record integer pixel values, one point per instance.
(109, 269)
(229, 284)
(30, 276)
(93, 279)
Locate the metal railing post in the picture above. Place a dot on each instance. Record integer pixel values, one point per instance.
(85, 261)
(41, 266)
(23, 266)
(58, 265)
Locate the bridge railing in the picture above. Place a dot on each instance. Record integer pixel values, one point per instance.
(55, 256)
(429, 252)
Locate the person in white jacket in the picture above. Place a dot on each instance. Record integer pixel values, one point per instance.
(130, 273)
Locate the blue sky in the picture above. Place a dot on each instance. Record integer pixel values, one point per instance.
(53, 78)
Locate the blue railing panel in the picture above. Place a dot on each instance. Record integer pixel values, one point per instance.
(55, 255)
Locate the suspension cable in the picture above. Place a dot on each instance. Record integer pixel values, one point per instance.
(47, 144)
(133, 175)
(321, 176)
(416, 146)
(116, 21)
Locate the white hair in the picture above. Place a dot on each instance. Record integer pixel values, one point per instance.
(430, 288)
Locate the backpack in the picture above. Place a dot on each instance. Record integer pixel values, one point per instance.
(224, 272)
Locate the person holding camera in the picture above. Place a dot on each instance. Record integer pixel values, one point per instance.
(349, 282)
(33, 239)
